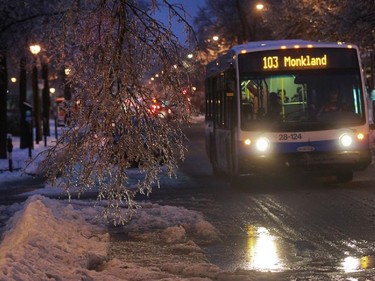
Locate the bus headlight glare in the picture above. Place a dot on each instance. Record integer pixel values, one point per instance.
(262, 144)
(346, 140)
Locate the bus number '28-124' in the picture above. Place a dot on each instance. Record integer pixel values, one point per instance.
(294, 136)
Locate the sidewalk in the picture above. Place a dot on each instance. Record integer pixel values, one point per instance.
(20, 157)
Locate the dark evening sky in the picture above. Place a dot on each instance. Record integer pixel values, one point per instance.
(190, 6)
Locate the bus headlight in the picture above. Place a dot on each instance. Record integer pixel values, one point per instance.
(346, 140)
(262, 144)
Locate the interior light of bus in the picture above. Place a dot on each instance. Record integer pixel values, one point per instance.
(310, 46)
(296, 46)
(262, 144)
(356, 104)
(243, 52)
(247, 141)
(350, 46)
(283, 47)
(346, 140)
(360, 136)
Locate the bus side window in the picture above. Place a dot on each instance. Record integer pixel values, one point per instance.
(229, 96)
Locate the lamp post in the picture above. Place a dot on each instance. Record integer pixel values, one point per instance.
(35, 49)
(3, 104)
(257, 10)
(22, 99)
(46, 103)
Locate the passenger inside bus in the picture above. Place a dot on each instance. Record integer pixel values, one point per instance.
(249, 101)
(274, 107)
(333, 104)
(298, 97)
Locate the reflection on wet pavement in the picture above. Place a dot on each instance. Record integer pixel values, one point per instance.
(257, 249)
(262, 253)
(352, 264)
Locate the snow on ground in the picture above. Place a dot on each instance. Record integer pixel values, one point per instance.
(49, 239)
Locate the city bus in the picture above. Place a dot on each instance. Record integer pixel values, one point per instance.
(289, 104)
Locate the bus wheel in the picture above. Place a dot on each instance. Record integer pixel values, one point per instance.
(346, 176)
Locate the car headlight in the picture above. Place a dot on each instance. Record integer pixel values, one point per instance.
(346, 140)
(262, 144)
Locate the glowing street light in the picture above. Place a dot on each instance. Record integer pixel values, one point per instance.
(215, 38)
(35, 49)
(259, 6)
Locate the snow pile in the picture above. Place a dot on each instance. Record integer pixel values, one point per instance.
(175, 220)
(50, 239)
(60, 240)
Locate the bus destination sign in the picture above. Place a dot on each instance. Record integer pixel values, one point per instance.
(275, 62)
(301, 59)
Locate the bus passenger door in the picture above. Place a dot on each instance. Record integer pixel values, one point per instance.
(230, 121)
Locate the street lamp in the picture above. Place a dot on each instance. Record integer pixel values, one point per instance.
(259, 6)
(67, 89)
(256, 20)
(35, 49)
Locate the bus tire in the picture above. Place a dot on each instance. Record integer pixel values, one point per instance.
(346, 176)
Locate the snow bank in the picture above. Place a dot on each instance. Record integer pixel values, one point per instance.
(60, 240)
(49, 239)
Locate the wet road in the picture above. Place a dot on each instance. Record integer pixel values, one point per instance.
(11, 190)
(299, 227)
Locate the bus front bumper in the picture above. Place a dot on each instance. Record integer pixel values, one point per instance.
(318, 161)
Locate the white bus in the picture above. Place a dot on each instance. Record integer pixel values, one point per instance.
(291, 103)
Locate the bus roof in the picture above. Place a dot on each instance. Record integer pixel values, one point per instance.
(288, 44)
(224, 61)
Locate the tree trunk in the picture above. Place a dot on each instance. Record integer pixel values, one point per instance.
(3, 105)
(46, 101)
(36, 105)
(21, 105)
(245, 32)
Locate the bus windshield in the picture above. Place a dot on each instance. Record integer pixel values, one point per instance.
(301, 100)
